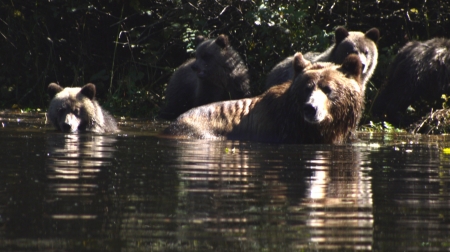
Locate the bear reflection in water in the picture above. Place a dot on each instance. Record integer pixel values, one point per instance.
(76, 170)
(301, 197)
(322, 104)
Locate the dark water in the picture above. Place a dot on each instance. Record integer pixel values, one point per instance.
(134, 191)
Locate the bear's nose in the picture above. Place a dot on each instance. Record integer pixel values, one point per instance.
(66, 127)
(309, 111)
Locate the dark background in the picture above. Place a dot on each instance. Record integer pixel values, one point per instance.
(129, 49)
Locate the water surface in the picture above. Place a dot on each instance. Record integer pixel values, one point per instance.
(135, 191)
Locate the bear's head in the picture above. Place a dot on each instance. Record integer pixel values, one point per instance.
(214, 59)
(73, 109)
(325, 93)
(361, 44)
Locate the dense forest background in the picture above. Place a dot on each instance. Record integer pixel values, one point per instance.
(129, 49)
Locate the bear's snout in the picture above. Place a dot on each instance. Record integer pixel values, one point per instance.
(314, 113)
(70, 123)
(363, 59)
(315, 109)
(66, 127)
(309, 112)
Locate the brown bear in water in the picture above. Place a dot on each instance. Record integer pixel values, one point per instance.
(345, 43)
(322, 104)
(420, 70)
(216, 74)
(76, 110)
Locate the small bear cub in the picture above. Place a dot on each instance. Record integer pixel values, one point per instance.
(74, 109)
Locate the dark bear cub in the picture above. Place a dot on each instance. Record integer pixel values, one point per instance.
(420, 71)
(216, 74)
(76, 110)
(321, 104)
(345, 43)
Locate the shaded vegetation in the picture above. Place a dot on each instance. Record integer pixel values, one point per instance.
(129, 49)
(435, 122)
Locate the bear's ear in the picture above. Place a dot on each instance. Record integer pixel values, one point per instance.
(88, 90)
(352, 65)
(300, 63)
(340, 34)
(53, 89)
(373, 34)
(199, 39)
(222, 41)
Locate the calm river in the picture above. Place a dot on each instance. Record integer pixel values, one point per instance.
(135, 191)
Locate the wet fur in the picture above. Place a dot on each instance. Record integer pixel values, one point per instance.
(362, 44)
(278, 115)
(216, 74)
(420, 70)
(76, 110)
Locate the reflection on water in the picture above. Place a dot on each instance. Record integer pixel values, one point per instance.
(135, 191)
(74, 166)
(413, 187)
(228, 200)
(313, 198)
(340, 201)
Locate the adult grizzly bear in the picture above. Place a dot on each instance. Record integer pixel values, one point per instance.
(345, 43)
(76, 110)
(322, 104)
(216, 74)
(420, 70)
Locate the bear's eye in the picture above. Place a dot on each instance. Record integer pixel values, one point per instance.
(326, 90)
(352, 52)
(366, 52)
(308, 87)
(76, 111)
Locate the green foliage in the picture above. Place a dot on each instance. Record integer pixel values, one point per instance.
(445, 103)
(379, 127)
(129, 49)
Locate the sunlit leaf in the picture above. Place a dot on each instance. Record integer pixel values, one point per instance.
(446, 151)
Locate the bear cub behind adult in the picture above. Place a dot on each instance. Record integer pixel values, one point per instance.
(345, 43)
(74, 109)
(216, 74)
(321, 104)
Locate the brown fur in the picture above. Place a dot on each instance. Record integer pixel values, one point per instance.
(345, 43)
(322, 104)
(76, 110)
(216, 74)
